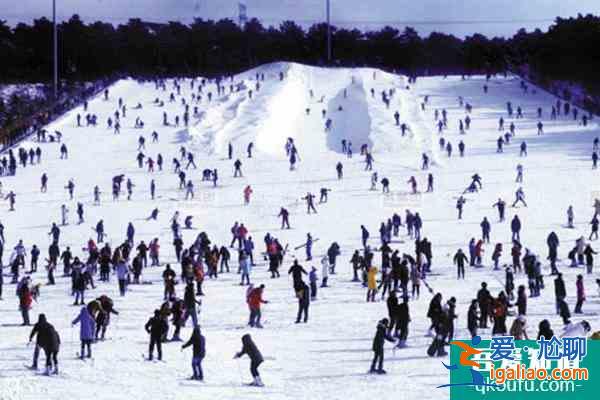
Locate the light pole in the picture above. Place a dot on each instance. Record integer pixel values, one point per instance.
(328, 31)
(55, 49)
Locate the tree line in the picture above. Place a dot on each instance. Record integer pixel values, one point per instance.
(567, 51)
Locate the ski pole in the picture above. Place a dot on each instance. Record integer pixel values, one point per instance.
(239, 371)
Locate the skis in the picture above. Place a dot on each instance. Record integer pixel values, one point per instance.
(427, 286)
(304, 245)
(253, 384)
(78, 357)
(285, 249)
(154, 360)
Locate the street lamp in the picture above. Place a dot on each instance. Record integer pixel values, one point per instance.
(55, 49)
(328, 31)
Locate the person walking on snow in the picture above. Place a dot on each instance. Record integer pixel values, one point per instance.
(87, 328)
(381, 336)
(156, 327)
(247, 193)
(570, 217)
(284, 214)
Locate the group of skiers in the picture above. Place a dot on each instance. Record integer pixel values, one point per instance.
(396, 276)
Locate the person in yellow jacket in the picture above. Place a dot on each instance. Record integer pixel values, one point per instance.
(372, 283)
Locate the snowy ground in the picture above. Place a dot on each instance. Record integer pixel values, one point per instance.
(329, 357)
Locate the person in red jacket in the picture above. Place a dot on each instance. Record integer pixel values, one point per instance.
(247, 193)
(242, 231)
(154, 249)
(580, 294)
(25, 301)
(254, 301)
(478, 252)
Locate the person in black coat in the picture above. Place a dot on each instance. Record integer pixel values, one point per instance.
(48, 340)
(545, 330)
(156, 327)
(473, 318)
(484, 298)
(378, 341)
(460, 259)
(403, 316)
(303, 302)
(249, 348)
(392, 306)
(198, 344)
(522, 300)
(435, 310)
(296, 271)
(560, 291)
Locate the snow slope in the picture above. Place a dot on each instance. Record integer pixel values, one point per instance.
(329, 357)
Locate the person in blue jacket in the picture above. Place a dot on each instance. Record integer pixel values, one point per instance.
(198, 343)
(87, 331)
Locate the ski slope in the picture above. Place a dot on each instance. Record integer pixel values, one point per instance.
(327, 358)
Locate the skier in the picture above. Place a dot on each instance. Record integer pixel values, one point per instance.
(190, 159)
(247, 193)
(570, 217)
(310, 198)
(254, 299)
(484, 300)
(303, 295)
(70, 187)
(308, 246)
(515, 227)
(580, 294)
(129, 186)
(189, 190)
(501, 205)
(519, 197)
(87, 327)
(523, 151)
(249, 348)
(339, 169)
(594, 223)
(238, 169)
(459, 205)
(369, 161)
(80, 213)
(156, 327)
(44, 180)
(381, 336)
(48, 340)
(96, 195)
(459, 261)
(64, 212)
(519, 174)
(198, 343)
(11, 200)
(413, 184)
(323, 195)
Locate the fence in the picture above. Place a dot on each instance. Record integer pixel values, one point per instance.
(574, 93)
(49, 110)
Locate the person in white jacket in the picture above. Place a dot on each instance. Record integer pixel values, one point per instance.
(64, 211)
(579, 329)
(325, 270)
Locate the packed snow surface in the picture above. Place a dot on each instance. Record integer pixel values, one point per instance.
(329, 357)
